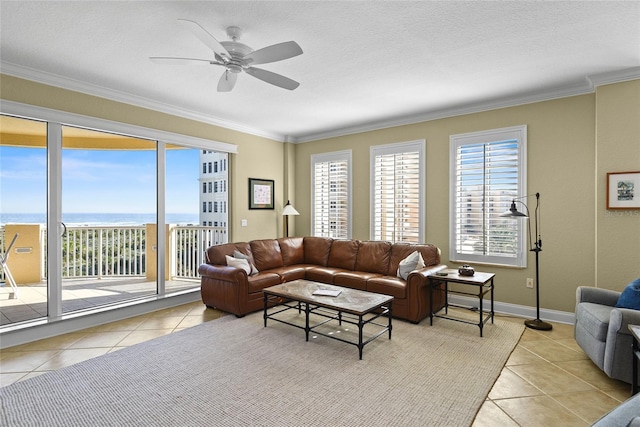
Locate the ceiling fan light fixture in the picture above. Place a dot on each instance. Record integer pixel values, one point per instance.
(236, 57)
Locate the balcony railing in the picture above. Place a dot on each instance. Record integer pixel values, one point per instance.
(189, 243)
(123, 251)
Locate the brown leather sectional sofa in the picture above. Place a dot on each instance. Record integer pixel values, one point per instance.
(365, 265)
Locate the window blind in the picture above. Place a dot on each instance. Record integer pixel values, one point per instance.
(397, 193)
(487, 176)
(331, 198)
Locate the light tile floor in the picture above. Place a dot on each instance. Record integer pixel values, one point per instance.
(547, 380)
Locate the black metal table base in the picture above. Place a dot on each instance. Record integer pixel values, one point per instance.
(483, 289)
(329, 315)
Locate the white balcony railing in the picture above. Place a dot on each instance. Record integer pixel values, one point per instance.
(187, 245)
(122, 251)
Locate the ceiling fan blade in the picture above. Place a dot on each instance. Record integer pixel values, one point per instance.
(273, 78)
(227, 81)
(206, 38)
(273, 53)
(181, 61)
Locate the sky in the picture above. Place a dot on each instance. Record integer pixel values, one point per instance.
(99, 181)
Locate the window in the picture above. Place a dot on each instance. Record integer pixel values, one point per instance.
(488, 170)
(331, 195)
(204, 187)
(204, 206)
(210, 206)
(204, 168)
(209, 186)
(397, 188)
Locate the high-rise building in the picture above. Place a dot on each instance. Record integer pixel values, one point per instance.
(213, 189)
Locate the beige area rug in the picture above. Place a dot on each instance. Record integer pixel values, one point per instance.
(235, 372)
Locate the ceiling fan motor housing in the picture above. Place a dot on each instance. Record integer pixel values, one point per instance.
(237, 51)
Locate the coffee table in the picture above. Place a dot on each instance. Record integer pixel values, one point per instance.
(351, 306)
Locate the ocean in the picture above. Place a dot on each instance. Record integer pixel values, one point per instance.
(93, 219)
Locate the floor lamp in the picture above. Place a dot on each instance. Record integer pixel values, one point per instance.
(288, 210)
(537, 248)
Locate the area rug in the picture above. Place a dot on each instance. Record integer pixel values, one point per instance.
(236, 372)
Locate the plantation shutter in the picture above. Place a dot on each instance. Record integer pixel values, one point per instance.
(487, 177)
(396, 195)
(331, 198)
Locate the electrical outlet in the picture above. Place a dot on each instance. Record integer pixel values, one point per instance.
(529, 282)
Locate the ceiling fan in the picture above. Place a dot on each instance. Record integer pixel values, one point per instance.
(237, 57)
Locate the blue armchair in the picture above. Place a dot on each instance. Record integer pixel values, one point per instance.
(602, 331)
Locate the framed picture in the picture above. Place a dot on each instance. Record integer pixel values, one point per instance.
(623, 190)
(260, 193)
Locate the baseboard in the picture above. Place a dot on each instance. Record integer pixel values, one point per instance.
(516, 310)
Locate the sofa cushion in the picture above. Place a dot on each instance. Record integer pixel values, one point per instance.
(594, 318)
(292, 250)
(353, 279)
(630, 296)
(240, 255)
(289, 272)
(316, 250)
(399, 251)
(322, 274)
(412, 262)
(238, 263)
(343, 254)
(388, 285)
(262, 280)
(373, 257)
(216, 254)
(266, 254)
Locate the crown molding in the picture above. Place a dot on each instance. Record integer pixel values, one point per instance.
(510, 101)
(587, 86)
(118, 96)
(614, 76)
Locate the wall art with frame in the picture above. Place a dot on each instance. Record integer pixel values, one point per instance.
(261, 194)
(623, 190)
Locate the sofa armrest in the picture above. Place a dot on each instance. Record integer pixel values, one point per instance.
(225, 288)
(621, 318)
(220, 272)
(418, 293)
(597, 296)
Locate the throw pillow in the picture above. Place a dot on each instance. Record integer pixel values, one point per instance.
(630, 296)
(240, 255)
(413, 262)
(238, 263)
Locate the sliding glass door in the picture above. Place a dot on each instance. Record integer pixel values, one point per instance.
(92, 220)
(109, 214)
(23, 212)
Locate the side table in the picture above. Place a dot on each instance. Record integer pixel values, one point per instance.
(482, 282)
(635, 333)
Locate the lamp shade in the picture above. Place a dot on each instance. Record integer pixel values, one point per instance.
(513, 212)
(289, 210)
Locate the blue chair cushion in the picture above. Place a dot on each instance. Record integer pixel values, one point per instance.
(630, 296)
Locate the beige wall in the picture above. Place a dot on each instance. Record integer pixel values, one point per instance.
(561, 164)
(617, 150)
(567, 163)
(257, 157)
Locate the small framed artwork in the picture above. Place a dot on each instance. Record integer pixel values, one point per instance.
(623, 190)
(261, 193)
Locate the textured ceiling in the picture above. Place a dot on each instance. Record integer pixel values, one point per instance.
(365, 64)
